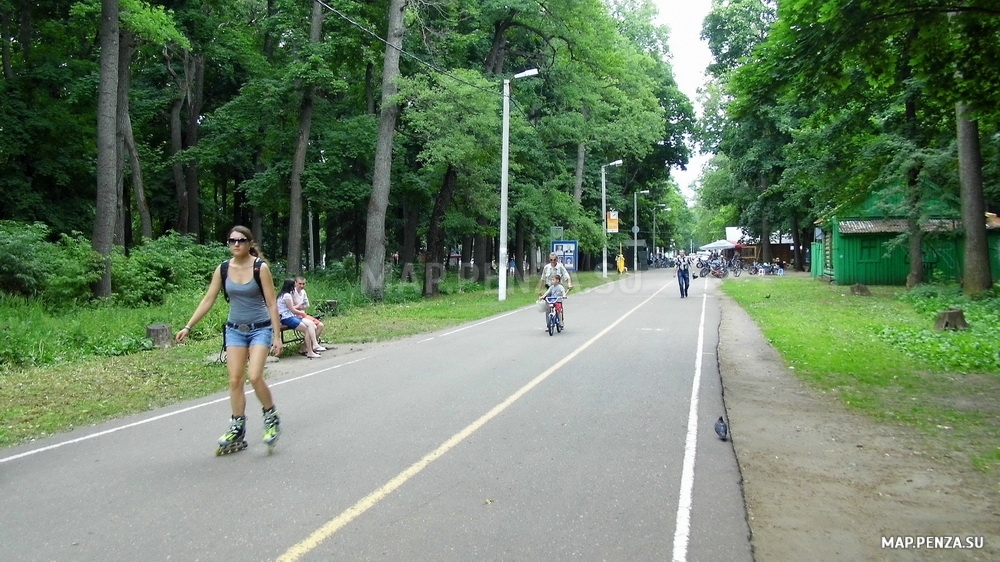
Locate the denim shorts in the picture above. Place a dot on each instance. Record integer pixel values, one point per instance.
(291, 322)
(258, 336)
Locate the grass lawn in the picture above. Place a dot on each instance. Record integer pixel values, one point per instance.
(878, 354)
(80, 384)
(881, 356)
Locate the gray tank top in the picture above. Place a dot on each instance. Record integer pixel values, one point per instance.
(246, 304)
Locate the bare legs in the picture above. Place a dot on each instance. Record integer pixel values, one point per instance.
(311, 343)
(237, 359)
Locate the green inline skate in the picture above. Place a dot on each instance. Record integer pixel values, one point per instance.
(272, 429)
(233, 440)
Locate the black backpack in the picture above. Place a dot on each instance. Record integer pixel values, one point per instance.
(224, 271)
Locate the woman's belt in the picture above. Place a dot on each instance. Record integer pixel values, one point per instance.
(248, 327)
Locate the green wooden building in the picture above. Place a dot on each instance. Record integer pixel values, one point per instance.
(871, 250)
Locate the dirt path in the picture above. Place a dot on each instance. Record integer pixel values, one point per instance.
(823, 483)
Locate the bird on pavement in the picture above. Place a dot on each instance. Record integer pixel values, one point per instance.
(721, 429)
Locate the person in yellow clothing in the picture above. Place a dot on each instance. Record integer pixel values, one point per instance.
(620, 260)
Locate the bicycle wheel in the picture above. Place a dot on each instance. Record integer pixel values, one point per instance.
(737, 271)
(548, 323)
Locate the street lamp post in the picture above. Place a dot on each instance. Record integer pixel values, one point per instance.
(635, 229)
(504, 160)
(604, 213)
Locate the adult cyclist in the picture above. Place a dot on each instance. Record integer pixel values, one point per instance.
(553, 268)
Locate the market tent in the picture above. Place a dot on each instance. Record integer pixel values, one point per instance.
(718, 245)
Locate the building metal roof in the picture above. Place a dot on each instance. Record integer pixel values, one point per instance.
(895, 226)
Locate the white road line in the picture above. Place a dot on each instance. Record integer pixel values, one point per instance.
(209, 403)
(331, 527)
(163, 416)
(682, 531)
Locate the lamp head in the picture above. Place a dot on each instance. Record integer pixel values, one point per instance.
(616, 163)
(527, 73)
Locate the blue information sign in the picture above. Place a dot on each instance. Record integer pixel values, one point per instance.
(567, 252)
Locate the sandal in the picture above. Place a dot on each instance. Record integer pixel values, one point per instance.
(319, 348)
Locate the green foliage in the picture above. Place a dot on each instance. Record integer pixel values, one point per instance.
(21, 245)
(76, 266)
(969, 351)
(61, 273)
(161, 266)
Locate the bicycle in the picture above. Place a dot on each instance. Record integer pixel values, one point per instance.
(553, 320)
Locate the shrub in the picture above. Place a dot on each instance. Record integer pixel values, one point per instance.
(76, 266)
(26, 254)
(160, 266)
(60, 273)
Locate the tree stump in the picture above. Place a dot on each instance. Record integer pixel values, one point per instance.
(331, 308)
(951, 319)
(160, 334)
(861, 290)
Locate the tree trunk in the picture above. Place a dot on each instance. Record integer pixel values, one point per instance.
(518, 249)
(498, 48)
(123, 219)
(976, 276)
(913, 197)
(408, 252)
(481, 252)
(796, 242)
(581, 152)
(107, 132)
(141, 203)
(435, 234)
(195, 65)
(8, 69)
(299, 160)
(373, 281)
(176, 145)
(370, 88)
(915, 241)
(465, 258)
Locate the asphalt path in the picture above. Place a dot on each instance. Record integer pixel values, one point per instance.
(488, 441)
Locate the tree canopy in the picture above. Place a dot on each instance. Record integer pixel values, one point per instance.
(258, 112)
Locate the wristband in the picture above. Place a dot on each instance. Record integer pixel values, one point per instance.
(188, 328)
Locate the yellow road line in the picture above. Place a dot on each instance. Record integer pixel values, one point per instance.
(328, 529)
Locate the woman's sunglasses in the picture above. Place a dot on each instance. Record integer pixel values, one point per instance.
(235, 241)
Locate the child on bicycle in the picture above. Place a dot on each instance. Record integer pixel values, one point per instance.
(556, 289)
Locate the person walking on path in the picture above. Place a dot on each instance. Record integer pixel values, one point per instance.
(252, 330)
(683, 273)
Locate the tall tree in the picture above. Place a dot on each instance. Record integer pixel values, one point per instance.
(301, 150)
(107, 144)
(976, 276)
(373, 280)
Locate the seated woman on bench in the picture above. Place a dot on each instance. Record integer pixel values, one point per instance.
(290, 319)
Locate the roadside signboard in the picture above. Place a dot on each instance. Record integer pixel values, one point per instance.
(612, 222)
(567, 252)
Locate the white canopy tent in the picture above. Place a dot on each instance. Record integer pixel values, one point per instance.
(718, 245)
